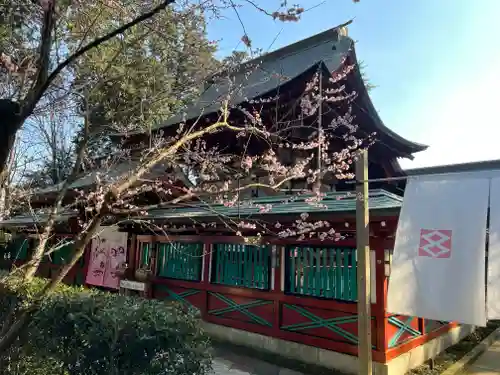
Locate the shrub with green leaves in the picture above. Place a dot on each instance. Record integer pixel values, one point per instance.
(79, 331)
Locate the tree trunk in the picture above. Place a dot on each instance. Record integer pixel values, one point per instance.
(36, 259)
(10, 113)
(3, 201)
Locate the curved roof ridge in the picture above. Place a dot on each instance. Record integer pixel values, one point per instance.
(329, 35)
(278, 67)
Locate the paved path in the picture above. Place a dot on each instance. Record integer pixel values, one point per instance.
(227, 363)
(488, 363)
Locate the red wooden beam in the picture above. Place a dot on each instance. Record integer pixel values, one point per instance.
(314, 341)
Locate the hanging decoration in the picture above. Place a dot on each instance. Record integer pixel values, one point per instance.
(109, 252)
(438, 267)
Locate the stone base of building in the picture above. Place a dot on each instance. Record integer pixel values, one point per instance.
(337, 361)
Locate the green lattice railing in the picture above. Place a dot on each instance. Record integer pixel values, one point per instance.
(321, 272)
(62, 255)
(17, 249)
(179, 260)
(145, 253)
(241, 265)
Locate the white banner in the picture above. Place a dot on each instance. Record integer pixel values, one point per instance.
(438, 266)
(493, 289)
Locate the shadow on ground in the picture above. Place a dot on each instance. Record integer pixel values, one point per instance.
(232, 359)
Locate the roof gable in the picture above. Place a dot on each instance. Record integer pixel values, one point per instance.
(257, 77)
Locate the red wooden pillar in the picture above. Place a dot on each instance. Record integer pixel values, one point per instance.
(387, 245)
(86, 262)
(421, 326)
(134, 259)
(136, 255)
(153, 258)
(379, 310)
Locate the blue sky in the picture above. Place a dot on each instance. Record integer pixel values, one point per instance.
(436, 64)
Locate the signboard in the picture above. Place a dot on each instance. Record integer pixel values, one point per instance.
(109, 250)
(133, 285)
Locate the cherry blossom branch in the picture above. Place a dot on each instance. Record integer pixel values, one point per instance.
(192, 194)
(171, 151)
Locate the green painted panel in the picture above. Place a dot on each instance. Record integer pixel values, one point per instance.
(260, 268)
(46, 258)
(248, 267)
(293, 275)
(331, 274)
(225, 277)
(179, 260)
(353, 276)
(145, 253)
(310, 271)
(17, 249)
(338, 276)
(79, 278)
(300, 271)
(62, 255)
(241, 265)
(346, 290)
(318, 290)
(322, 272)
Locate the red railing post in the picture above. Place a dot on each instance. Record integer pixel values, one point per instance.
(379, 245)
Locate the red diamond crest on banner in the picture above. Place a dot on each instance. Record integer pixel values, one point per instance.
(435, 243)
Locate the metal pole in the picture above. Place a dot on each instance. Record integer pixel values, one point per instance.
(363, 252)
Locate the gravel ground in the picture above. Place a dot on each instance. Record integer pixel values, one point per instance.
(455, 352)
(243, 360)
(235, 360)
(228, 363)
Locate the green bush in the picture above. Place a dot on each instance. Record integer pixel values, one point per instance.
(79, 331)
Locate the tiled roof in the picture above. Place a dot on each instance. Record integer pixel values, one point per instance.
(39, 219)
(379, 200)
(264, 74)
(334, 202)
